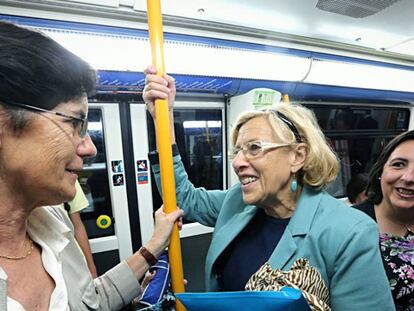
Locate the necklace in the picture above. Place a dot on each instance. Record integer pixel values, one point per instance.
(30, 242)
(407, 227)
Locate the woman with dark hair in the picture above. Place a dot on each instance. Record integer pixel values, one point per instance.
(391, 204)
(43, 141)
(355, 189)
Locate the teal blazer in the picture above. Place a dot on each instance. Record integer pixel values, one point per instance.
(340, 242)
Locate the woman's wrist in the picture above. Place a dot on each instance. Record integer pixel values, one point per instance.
(155, 247)
(148, 253)
(148, 256)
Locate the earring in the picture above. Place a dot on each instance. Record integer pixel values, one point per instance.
(294, 184)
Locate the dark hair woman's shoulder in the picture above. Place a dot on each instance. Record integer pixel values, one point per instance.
(366, 207)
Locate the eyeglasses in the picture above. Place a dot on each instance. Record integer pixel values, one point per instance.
(78, 123)
(255, 148)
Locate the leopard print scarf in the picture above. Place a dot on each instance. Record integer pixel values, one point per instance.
(301, 276)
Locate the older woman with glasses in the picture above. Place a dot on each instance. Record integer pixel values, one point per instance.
(278, 226)
(43, 140)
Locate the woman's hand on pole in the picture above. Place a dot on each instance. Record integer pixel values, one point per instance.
(163, 226)
(158, 88)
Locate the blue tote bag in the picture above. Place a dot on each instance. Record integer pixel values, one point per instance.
(288, 299)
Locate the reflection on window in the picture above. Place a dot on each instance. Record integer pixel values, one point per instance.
(360, 118)
(199, 134)
(358, 134)
(203, 149)
(201, 124)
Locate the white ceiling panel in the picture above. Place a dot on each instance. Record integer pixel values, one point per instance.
(390, 27)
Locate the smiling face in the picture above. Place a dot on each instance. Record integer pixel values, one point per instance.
(41, 162)
(265, 179)
(397, 178)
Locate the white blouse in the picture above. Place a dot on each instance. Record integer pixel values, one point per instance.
(52, 264)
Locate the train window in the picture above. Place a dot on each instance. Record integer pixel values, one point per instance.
(361, 118)
(358, 134)
(94, 180)
(199, 134)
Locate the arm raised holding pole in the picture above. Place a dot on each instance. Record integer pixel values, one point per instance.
(165, 135)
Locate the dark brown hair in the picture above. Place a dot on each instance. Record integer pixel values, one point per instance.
(36, 70)
(374, 191)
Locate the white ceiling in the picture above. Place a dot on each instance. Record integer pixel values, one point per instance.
(391, 29)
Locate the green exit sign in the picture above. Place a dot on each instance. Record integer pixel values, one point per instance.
(263, 98)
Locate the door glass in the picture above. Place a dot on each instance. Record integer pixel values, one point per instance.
(94, 180)
(358, 134)
(199, 134)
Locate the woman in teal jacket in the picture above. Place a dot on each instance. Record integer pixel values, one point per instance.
(279, 216)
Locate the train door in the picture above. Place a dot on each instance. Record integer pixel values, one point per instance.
(200, 138)
(103, 181)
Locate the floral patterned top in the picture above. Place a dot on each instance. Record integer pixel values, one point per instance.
(398, 257)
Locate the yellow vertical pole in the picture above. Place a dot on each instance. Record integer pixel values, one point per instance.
(164, 147)
(285, 99)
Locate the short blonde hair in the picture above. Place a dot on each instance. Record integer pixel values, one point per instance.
(321, 165)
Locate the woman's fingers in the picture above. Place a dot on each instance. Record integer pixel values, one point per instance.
(176, 215)
(150, 70)
(157, 87)
(168, 219)
(151, 94)
(147, 278)
(180, 223)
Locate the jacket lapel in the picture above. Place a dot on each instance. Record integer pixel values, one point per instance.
(228, 232)
(298, 227)
(285, 249)
(225, 235)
